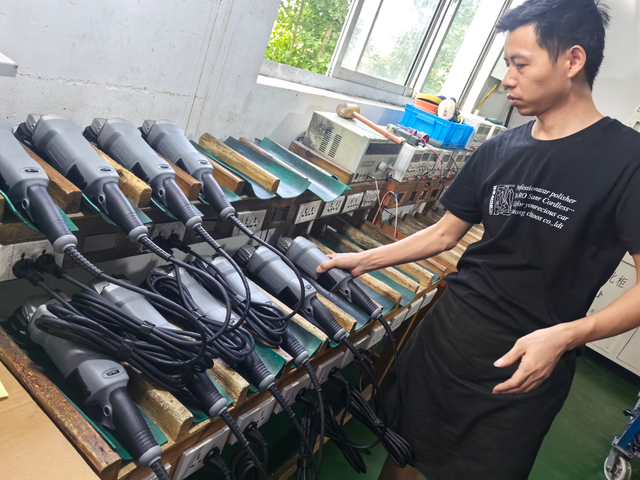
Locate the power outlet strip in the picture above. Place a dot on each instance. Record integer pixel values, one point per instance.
(334, 207)
(414, 307)
(165, 230)
(370, 198)
(307, 212)
(193, 458)
(322, 372)
(377, 334)
(348, 355)
(291, 391)
(11, 254)
(259, 414)
(353, 202)
(252, 220)
(428, 298)
(398, 319)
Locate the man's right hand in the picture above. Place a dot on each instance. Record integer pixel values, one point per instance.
(354, 263)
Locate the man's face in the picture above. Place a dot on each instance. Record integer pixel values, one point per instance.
(535, 83)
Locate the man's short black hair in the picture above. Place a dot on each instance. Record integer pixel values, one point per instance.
(561, 24)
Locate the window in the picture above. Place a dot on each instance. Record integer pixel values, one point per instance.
(398, 46)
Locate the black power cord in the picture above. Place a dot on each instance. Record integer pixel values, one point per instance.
(397, 447)
(213, 459)
(160, 471)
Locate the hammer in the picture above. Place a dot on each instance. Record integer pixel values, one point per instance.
(353, 111)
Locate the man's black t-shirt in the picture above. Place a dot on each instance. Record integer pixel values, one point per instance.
(558, 216)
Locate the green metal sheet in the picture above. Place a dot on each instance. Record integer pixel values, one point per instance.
(291, 184)
(307, 339)
(27, 222)
(387, 305)
(251, 187)
(407, 295)
(324, 186)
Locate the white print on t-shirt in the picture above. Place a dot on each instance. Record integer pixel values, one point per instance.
(532, 202)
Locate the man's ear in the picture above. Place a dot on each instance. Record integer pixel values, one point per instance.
(577, 59)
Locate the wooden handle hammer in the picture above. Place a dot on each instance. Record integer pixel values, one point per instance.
(353, 111)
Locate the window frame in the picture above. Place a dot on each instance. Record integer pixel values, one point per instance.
(337, 77)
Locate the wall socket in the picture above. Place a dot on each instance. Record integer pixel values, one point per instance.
(370, 198)
(307, 212)
(193, 458)
(291, 391)
(259, 414)
(323, 370)
(165, 230)
(333, 207)
(352, 202)
(348, 355)
(377, 334)
(252, 220)
(11, 254)
(398, 319)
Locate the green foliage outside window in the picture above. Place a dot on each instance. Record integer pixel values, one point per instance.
(451, 46)
(306, 33)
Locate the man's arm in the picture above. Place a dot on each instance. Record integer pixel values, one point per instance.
(541, 350)
(426, 243)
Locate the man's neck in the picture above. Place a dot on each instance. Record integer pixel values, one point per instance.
(574, 114)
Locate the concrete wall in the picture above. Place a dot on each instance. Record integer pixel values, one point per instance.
(196, 62)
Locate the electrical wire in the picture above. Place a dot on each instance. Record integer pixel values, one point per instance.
(160, 471)
(487, 96)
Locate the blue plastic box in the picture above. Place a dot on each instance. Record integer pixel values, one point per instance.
(452, 135)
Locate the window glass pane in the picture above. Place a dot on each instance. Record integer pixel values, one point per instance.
(306, 33)
(387, 37)
(462, 46)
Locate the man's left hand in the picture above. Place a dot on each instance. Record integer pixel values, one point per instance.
(539, 352)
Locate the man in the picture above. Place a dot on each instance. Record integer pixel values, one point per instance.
(490, 366)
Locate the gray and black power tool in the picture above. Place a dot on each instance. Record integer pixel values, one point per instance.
(25, 183)
(167, 138)
(96, 379)
(124, 143)
(250, 367)
(200, 386)
(306, 256)
(61, 142)
(279, 280)
(290, 343)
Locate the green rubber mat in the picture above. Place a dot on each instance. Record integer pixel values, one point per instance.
(307, 339)
(272, 361)
(199, 415)
(407, 295)
(141, 215)
(386, 304)
(291, 184)
(251, 187)
(232, 197)
(324, 186)
(46, 366)
(28, 223)
(358, 315)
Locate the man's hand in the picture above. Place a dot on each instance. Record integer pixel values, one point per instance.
(352, 262)
(540, 351)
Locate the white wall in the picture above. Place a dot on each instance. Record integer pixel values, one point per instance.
(195, 62)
